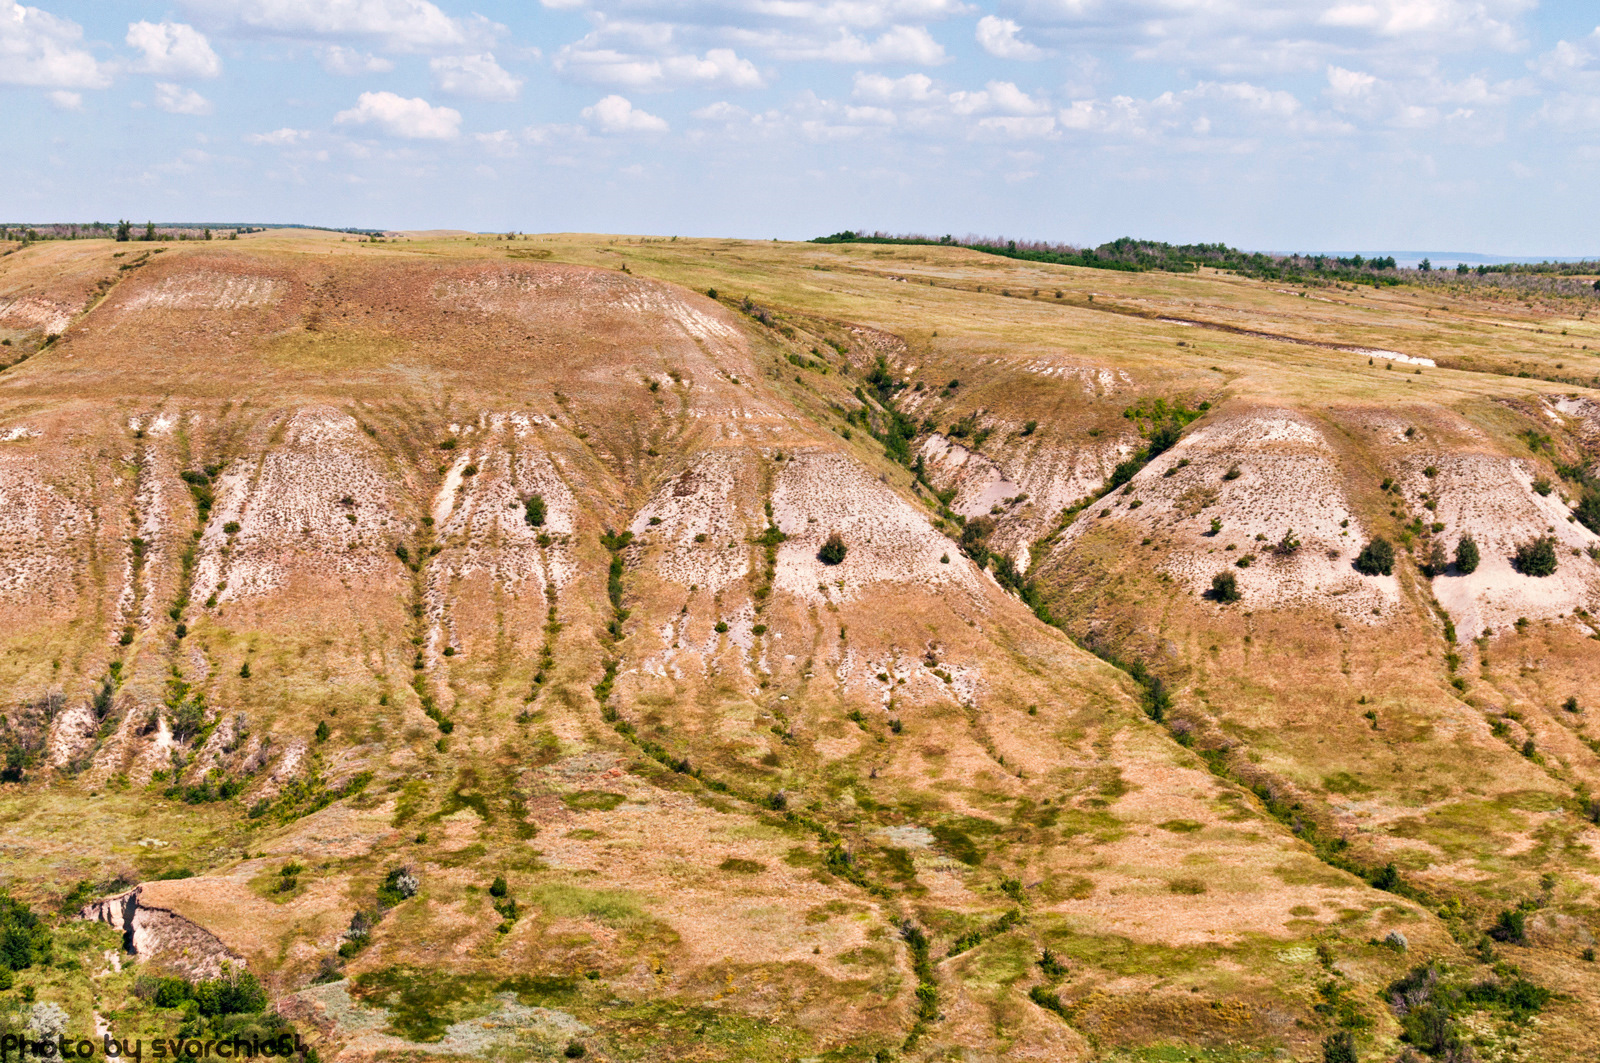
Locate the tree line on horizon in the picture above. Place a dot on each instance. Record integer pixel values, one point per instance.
(1134, 255)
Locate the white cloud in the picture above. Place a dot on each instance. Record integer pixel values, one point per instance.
(912, 88)
(1015, 127)
(502, 143)
(173, 49)
(1342, 82)
(37, 48)
(860, 14)
(399, 25)
(1482, 21)
(278, 137)
(720, 67)
(348, 62)
(1000, 96)
(898, 44)
(1001, 38)
(175, 99)
(614, 114)
(67, 101)
(721, 111)
(477, 76)
(412, 119)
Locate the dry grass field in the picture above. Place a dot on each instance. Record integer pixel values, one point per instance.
(481, 558)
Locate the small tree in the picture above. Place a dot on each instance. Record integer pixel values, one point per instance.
(1467, 556)
(1438, 560)
(1536, 558)
(149, 230)
(833, 550)
(1376, 558)
(1225, 587)
(322, 731)
(124, 231)
(1287, 545)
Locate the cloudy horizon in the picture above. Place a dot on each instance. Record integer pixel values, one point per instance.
(1288, 125)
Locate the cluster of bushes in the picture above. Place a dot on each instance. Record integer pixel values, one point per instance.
(214, 787)
(504, 903)
(1429, 1002)
(233, 1005)
(24, 938)
(400, 884)
(200, 488)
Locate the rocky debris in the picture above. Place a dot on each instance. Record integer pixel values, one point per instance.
(162, 936)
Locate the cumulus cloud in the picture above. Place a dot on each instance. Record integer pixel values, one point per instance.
(858, 14)
(411, 119)
(398, 25)
(173, 49)
(348, 62)
(898, 44)
(175, 99)
(67, 101)
(278, 137)
(614, 114)
(1002, 38)
(912, 88)
(39, 49)
(719, 67)
(1001, 96)
(1349, 83)
(1479, 21)
(477, 76)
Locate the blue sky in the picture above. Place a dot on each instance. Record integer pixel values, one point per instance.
(1468, 125)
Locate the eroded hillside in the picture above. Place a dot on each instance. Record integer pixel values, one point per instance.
(445, 631)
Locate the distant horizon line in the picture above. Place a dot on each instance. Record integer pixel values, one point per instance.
(1401, 257)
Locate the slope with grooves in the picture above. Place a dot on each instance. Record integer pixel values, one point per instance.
(1094, 813)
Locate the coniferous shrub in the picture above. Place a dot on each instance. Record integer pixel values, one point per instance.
(1467, 556)
(1225, 587)
(833, 549)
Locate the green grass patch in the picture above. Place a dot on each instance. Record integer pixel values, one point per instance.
(593, 800)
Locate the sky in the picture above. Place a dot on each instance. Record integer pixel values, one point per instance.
(1281, 125)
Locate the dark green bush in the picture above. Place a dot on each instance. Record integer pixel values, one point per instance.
(833, 549)
(1536, 558)
(1466, 555)
(1225, 587)
(1339, 1047)
(1376, 558)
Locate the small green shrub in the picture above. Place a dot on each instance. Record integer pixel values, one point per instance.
(1225, 587)
(535, 511)
(1466, 555)
(833, 549)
